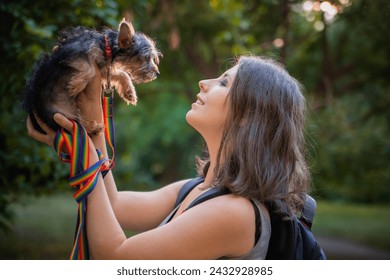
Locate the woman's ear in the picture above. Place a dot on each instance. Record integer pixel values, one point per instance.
(125, 34)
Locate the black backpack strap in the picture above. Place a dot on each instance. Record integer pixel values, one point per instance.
(257, 221)
(187, 188)
(190, 185)
(209, 194)
(309, 211)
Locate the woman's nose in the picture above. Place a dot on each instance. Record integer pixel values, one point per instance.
(203, 85)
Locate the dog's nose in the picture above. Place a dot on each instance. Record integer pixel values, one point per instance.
(157, 73)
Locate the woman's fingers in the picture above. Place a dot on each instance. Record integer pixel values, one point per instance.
(63, 121)
(33, 133)
(47, 138)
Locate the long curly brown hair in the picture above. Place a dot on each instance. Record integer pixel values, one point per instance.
(262, 153)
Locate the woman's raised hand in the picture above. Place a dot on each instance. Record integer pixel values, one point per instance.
(48, 138)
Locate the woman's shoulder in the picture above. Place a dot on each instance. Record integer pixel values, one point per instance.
(236, 211)
(239, 209)
(235, 201)
(236, 208)
(236, 219)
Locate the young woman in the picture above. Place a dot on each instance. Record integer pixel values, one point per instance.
(252, 121)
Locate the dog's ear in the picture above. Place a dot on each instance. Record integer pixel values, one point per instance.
(125, 35)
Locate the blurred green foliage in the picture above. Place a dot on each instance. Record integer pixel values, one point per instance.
(338, 51)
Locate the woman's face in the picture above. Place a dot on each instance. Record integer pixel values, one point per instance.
(208, 113)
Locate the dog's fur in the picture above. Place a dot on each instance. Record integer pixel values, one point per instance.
(58, 78)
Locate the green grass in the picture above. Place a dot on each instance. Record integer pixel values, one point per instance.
(43, 227)
(364, 224)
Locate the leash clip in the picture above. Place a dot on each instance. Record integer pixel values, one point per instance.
(108, 92)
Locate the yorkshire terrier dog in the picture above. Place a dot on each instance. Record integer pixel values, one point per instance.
(124, 57)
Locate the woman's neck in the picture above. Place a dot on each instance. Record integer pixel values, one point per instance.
(213, 148)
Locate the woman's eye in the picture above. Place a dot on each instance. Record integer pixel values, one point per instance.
(223, 83)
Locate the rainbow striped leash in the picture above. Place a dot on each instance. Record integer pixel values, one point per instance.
(82, 177)
(108, 115)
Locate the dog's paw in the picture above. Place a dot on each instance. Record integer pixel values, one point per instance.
(130, 96)
(125, 88)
